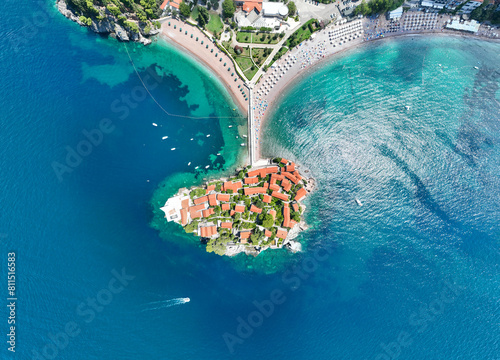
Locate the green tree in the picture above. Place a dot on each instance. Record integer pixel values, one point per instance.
(202, 16)
(292, 8)
(267, 221)
(184, 9)
(228, 8)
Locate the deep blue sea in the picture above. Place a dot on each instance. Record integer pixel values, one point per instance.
(413, 273)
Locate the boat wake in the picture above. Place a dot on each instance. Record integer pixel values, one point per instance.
(156, 305)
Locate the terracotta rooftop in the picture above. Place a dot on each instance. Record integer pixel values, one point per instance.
(272, 213)
(210, 188)
(274, 187)
(284, 161)
(291, 167)
(255, 209)
(254, 190)
(251, 180)
(196, 207)
(267, 233)
(223, 197)
(300, 194)
(208, 212)
(287, 185)
(229, 185)
(245, 234)
(249, 5)
(239, 208)
(286, 216)
(208, 231)
(226, 225)
(183, 217)
(164, 4)
(295, 207)
(225, 207)
(175, 4)
(212, 200)
(267, 199)
(185, 203)
(200, 200)
(280, 196)
(195, 214)
(292, 177)
(281, 233)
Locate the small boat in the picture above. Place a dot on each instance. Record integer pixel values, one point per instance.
(165, 137)
(197, 167)
(407, 107)
(172, 149)
(358, 202)
(206, 167)
(189, 163)
(218, 154)
(475, 67)
(191, 139)
(244, 136)
(236, 137)
(154, 124)
(208, 135)
(230, 126)
(243, 144)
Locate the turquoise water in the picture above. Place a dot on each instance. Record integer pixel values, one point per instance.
(427, 177)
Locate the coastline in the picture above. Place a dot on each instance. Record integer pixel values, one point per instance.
(282, 89)
(190, 46)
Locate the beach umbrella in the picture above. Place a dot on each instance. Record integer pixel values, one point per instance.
(169, 23)
(216, 54)
(232, 74)
(211, 50)
(197, 38)
(191, 36)
(224, 63)
(207, 46)
(228, 69)
(175, 26)
(239, 86)
(220, 59)
(180, 29)
(186, 33)
(235, 80)
(201, 42)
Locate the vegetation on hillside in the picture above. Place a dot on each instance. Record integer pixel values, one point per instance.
(373, 7)
(486, 12)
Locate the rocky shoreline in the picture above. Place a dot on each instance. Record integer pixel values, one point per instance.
(110, 25)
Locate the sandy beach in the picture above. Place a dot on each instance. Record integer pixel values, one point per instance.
(331, 41)
(208, 57)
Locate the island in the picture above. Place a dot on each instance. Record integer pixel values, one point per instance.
(256, 209)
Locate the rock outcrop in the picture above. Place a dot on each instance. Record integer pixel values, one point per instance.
(110, 25)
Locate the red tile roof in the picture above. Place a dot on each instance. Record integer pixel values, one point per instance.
(286, 216)
(297, 175)
(243, 241)
(267, 199)
(239, 208)
(280, 196)
(249, 5)
(196, 207)
(201, 200)
(185, 203)
(251, 180)
(291, 167)
(295, 207)
(263, 172)
(208, 231)
(226, 225)
(272, 213)
(223, 197)
(208, 212)
(162, 6)
(245, 234)
(210, 188)
(225, 207)
(284, 161)
(267, 233)
(292, 177)
(255, 209)
(274, 187)
(212, 200)
(183, 217)
(254, 190)
(195, 214)
(232, 212)
(175, 4)
(281, 234)
(287, 185)
(229, 185)
(292, 223)
(300, 194)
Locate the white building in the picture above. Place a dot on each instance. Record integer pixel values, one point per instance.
(471, 5)
(471, 25)
(274, 9)
(396, 14)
